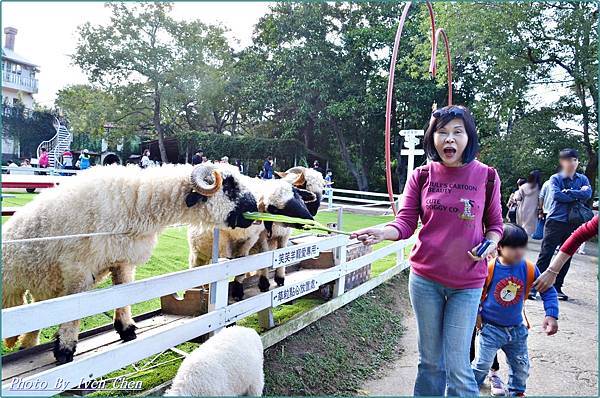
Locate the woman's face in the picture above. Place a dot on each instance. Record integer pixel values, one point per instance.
(450, 142)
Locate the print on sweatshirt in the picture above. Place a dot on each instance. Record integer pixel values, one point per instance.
(503, 305)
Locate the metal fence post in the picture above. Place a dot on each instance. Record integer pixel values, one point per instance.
(329, 198)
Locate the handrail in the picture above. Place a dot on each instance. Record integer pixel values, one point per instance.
(53, 144)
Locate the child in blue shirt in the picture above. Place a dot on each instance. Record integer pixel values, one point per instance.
(500, 322)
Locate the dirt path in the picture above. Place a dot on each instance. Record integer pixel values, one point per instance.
(561, 365)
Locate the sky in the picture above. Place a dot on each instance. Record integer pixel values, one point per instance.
(47, 35)
(47, 32)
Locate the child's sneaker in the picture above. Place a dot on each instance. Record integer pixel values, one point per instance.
(496, 385)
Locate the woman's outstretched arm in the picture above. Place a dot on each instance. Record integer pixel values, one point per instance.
(406, 220)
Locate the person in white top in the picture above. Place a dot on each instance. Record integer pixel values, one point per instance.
(145, 159)
(12, 165)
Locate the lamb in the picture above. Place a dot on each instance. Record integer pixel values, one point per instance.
(229, 364)
(274, 196)
(133, 203)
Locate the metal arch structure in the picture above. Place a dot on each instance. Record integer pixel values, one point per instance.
(435, 33)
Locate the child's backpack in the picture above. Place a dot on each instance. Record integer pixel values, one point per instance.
(528, 283)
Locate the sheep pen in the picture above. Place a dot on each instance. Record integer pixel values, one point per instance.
(134, 205)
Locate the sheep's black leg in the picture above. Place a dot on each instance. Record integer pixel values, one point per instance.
(63, 354)
(126, 332)
(280, 276)
(123, 322)
(264, 284)
(237, 289)
(66, 341)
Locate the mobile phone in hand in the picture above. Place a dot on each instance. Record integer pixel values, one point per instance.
(485, 243)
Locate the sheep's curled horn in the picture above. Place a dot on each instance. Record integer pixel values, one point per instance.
(199, 174)
(300, 179)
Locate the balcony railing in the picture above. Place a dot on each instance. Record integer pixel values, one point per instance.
(15, 80)
(16, 111)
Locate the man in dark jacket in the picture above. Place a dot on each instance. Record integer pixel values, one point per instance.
(566, 187)
(197, 158)
(267, 171)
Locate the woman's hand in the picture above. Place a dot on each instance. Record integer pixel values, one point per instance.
(545, 281)
(479, 323)
(489, 253)
(548, 277)
(371, 236)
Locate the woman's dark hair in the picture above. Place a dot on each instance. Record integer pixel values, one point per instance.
(514, 236)
(535, 177)
(439, 119)
(521, 181)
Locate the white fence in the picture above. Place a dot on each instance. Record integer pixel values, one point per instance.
(34, 169)
(47, 313)
(349, 199)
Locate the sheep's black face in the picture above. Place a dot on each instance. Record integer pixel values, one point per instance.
(313, 207)
(295, 207)
(245, 202)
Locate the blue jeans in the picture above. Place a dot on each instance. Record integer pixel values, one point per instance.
(445, 322)
(513, 341)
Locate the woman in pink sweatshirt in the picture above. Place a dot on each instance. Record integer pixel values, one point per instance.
(457, 199)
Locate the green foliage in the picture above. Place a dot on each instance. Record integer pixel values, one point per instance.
(155, 66)
(533, 143)
(29, 128)
(250, 148)
(502, 51)
(317, 73)
(88, 109)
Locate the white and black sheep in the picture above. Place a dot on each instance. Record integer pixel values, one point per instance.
(228, 364)
(273, 196)
(137, 204)
(302, 178)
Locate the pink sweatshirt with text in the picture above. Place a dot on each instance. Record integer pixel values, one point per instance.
(452, 203)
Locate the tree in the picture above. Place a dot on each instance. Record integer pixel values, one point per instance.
(505, 49)
(318, 73)
(87, 109)
(143, 53)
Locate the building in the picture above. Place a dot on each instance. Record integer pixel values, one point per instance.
(18, 74)
(19, 84)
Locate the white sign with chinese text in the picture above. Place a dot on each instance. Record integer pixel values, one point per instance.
(293, 254)
(287, 293)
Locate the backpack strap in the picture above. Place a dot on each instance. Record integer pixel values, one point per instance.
(528, 285)
(530, 277)
(488, 279)
(489, 189)
(422, 179)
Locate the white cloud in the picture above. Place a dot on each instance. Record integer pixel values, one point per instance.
(47, 32)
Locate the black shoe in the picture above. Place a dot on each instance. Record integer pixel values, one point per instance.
(562, 296)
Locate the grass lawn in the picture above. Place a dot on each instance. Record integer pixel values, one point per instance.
(171, 255)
